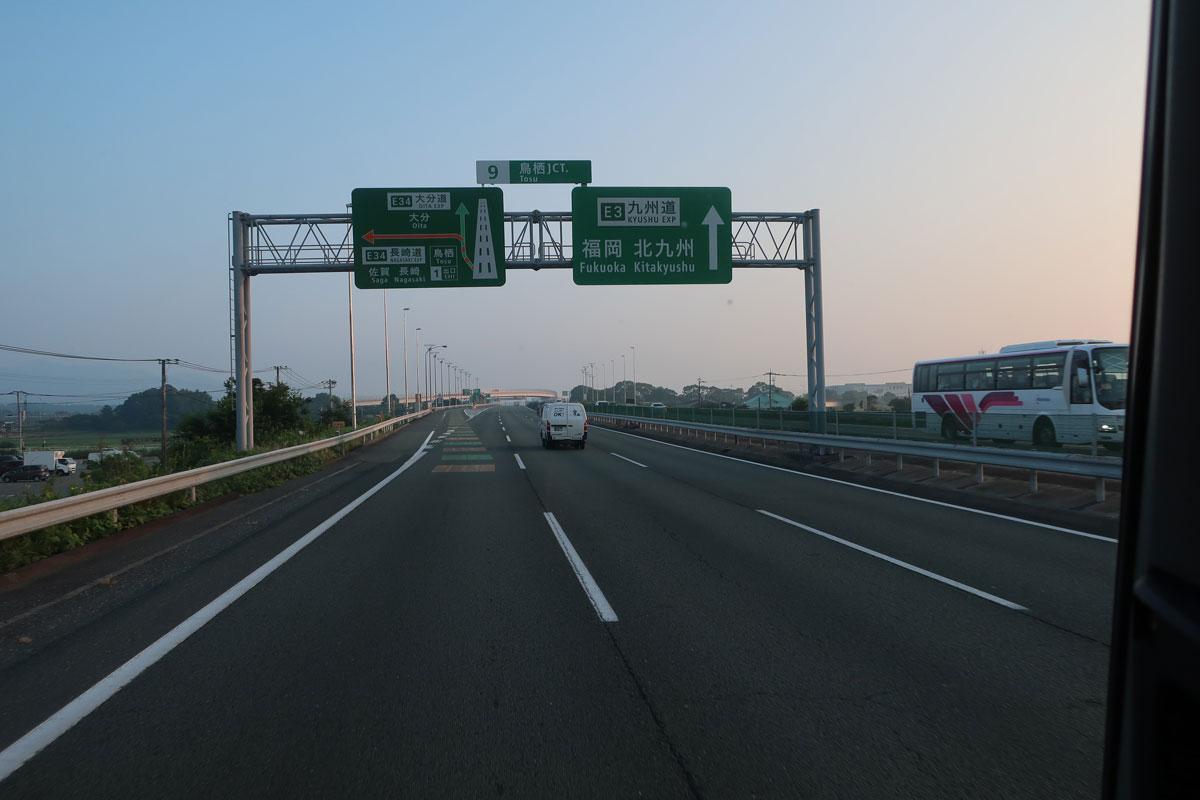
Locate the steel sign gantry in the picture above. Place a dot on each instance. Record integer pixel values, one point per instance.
(268, 244)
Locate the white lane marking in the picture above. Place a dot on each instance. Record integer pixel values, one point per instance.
(520, 463)
(99, 581)
(1071, 531)
(603, 609)
(630, 460)
(29, 745)
(948, 581)
(508, 439)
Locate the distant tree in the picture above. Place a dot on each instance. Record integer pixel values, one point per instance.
(901, 405)
(850, 407)
(800, 404)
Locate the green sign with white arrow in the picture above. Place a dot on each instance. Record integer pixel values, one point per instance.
(428, 238)
(647, 235)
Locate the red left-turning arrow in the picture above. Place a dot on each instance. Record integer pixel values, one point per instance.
(371, 236)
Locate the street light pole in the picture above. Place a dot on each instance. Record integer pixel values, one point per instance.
(624, 382)
(387, 358)
(613, 394)
(634, 359)
(406, 310)
(417, 333)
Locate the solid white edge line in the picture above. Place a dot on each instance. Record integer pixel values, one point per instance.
(520, 463)
(630, 460)
(603, 609)
(948, 581)
(1045, 525)
(29, 745)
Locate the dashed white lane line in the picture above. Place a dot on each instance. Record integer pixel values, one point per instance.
(968, 509)
(948, 581)
(29, 745)
(520, 463)
(603, 609)
(508, 439)
(630, 460)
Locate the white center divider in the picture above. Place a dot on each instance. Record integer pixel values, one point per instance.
(17, 521)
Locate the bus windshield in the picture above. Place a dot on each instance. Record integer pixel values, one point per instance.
(1111, 366)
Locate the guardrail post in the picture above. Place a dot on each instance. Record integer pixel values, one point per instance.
(868, 458)
(841, 455)
(1032, 481)
(979, 474)
(113, 515)
(895, 433)
(192, 493)
(937, 468)
(899, 461)
(1099, 490)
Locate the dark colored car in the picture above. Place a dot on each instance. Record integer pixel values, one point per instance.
(9, 462)
(26, 472)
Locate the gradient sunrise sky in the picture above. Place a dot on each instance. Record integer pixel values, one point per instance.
(976, 166)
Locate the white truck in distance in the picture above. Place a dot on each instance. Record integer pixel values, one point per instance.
(53, 460)
(564, 423)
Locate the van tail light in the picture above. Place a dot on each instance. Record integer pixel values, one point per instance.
(585, 427)
(547, 426)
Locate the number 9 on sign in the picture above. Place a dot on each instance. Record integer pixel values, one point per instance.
(491, 172)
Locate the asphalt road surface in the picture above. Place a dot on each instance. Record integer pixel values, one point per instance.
(457, 612)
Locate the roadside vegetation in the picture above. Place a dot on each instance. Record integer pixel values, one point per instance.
(282, 419)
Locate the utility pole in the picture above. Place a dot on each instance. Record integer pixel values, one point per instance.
(162, 459)
(277, 369)
(613, 394)
(330, 383)
(770, 389)
(699, 392)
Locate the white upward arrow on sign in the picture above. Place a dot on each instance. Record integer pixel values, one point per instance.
(712, 219)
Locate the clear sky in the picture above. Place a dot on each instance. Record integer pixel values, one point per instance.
(976, 165)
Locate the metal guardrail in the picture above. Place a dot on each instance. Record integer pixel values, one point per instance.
(1098, 467)
(17, 521)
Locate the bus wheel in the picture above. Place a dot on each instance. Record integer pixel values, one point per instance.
(1043, 433)
(951, 430)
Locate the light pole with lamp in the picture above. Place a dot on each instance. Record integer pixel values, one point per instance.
(406, 310)
(431, 373)
(624, 382)
(634, 359)
(417, 333)
(387, 358)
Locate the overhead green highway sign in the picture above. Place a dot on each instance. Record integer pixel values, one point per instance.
(645, 235)
(428, 238)
(546, 171)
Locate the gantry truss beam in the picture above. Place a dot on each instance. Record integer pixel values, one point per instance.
(296, 243)
(267, 244)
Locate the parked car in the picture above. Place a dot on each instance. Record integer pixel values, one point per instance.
(564, 423)
(26, 472)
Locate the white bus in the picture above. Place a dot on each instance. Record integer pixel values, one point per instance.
(1056, 392)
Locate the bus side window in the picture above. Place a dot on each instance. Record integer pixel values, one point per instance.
(981, 375)
(1048, 371)
(1013, 373)
(1080, 394)
(950, 376)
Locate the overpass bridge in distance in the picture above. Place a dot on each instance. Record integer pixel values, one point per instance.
(516, 394)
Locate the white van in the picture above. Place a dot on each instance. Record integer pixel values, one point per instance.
(563, 423)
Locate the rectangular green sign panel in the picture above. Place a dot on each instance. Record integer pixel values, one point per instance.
(428, 238)
(648, 235)
(545, 171)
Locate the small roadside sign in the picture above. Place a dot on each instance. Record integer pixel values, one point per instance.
(545, 171)
(428, 238)
(651, 235)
